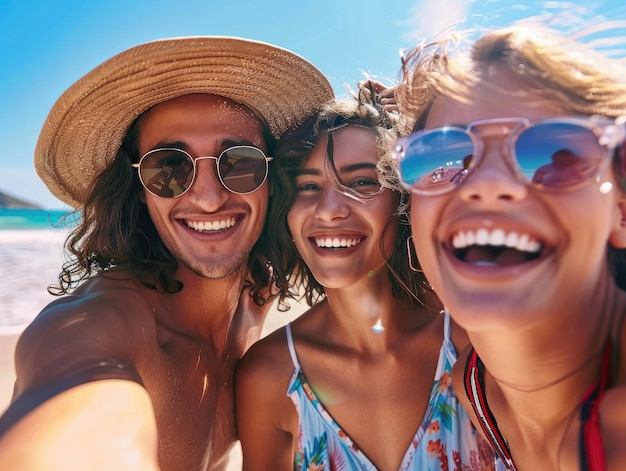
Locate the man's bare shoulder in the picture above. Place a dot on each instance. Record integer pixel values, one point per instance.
(102, 321)
(102, 331)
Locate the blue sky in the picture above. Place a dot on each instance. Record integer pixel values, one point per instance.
(45, 46)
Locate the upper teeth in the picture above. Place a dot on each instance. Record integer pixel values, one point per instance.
(522, 242)
(206, 226)
(336, 242)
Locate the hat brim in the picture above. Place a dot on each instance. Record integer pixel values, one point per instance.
(84, 130)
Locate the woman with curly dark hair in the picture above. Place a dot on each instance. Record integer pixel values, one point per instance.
(361, 381)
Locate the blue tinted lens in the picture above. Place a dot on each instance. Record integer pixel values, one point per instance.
(559, 155)
(436, 161)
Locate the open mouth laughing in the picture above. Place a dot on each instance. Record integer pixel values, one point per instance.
(494, 247)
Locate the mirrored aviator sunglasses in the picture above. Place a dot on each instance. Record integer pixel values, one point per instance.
(170, 172)
(556, 154)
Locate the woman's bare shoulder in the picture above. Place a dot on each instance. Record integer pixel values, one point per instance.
(268, 356)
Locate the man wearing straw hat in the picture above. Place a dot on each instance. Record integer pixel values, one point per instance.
(165, 149)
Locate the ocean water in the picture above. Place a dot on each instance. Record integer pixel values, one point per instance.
(31, 255)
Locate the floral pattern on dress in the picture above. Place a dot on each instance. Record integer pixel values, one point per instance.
(445, 440)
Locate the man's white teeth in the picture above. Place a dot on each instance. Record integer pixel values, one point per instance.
(496, 237)
(336, 242)
(211, 226)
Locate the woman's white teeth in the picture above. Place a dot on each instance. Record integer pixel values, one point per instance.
(336, 242)
(497, 238)
(211, 226)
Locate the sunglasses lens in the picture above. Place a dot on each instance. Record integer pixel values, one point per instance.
(243, 169)
(166, 172)
(436, 161)
(559, 155)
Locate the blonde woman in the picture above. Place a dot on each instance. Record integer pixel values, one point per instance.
(516, 169)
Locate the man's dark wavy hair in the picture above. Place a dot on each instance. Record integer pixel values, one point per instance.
(116, 230)
(291, 273)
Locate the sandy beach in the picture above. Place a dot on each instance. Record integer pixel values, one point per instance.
(31, 260)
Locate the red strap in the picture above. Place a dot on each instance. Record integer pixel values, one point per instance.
(591, 449)
(475, 390)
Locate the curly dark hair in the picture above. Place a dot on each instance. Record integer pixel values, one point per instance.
(116, 230)
(292, 275)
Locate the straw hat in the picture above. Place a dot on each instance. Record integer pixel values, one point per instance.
(85, 127)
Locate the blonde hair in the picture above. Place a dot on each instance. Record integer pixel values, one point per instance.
(560, 69)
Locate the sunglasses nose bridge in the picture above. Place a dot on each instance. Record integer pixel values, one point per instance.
(196, 164)
(493, 179)
(204, 157)
(208, 177)
(493, 170)
(494, 145)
